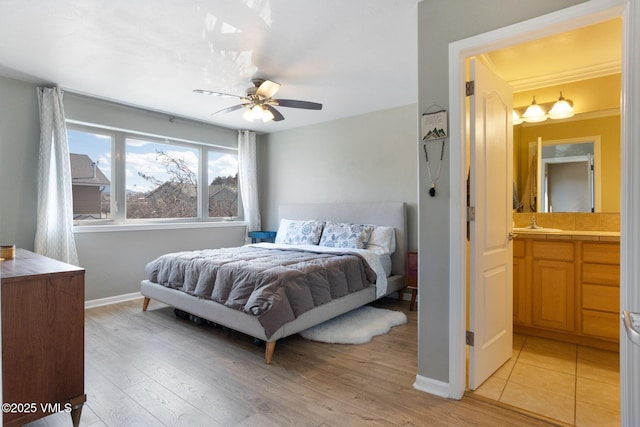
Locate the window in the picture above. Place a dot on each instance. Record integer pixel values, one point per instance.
(161, 180)
(153, 179)
(223, 188)
(90, 156)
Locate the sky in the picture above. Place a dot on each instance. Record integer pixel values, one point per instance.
(141, 156)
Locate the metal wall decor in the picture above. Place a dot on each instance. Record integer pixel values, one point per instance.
(434, 127)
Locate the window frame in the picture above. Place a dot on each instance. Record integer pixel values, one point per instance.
(118, 181)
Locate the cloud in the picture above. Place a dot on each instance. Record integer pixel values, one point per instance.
(226, 165)
(150, 164)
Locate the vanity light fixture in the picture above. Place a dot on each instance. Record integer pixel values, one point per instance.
(535, 113)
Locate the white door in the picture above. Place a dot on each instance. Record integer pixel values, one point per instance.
(491, 261)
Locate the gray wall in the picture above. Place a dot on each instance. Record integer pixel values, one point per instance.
(441, 22)
(19, 141)
(364, 158)
(93, 111)
(114, 260)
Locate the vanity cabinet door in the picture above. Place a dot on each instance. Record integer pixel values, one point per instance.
(553, 286)
(553, 295)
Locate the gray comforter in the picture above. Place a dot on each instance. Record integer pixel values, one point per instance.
(275, 285)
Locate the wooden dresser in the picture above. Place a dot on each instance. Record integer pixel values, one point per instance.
(42, 338)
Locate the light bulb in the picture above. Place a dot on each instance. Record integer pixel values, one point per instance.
(247, 115)
(267, 115)
(516, 118)
(534, 113)
(562, 109)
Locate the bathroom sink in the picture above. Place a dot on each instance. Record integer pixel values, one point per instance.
(536, 230)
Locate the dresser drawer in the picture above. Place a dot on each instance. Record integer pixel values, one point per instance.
(599, 324)
(558, 251)
(604, 298)
(601, 274)
(601, 253)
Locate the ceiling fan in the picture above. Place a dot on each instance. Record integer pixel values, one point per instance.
(260, 103)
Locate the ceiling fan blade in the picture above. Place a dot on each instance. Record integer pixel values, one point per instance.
(276, 114)
(214, 93)
(293, 103)
(267, 89)
(230, 109)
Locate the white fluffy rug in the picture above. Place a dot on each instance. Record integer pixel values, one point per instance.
(358, 326)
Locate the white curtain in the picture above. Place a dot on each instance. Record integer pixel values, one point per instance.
(248, 178)
(54, 232)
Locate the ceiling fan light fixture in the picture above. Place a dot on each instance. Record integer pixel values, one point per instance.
(248, 115)
(562, 109)
(267, 115)
(257, 112)
(259, 102)
(534, 113)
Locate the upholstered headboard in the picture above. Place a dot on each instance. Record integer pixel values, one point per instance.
(391, 214)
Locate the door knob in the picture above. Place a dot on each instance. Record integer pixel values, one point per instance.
(632, 325)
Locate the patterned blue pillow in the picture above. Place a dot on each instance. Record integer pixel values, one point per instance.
(343, 235)
(293, 232)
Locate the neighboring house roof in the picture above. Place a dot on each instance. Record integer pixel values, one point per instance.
(172, 188)
(221, 190)
(82, 171)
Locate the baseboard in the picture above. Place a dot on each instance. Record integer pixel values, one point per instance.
(429, 385)
(112, 300)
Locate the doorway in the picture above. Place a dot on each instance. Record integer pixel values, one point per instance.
(578, 16)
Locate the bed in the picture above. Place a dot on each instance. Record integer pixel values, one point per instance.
(383, 215)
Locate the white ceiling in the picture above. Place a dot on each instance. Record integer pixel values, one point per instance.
(353, 56)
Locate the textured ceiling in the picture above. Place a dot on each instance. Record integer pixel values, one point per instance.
(352, 56)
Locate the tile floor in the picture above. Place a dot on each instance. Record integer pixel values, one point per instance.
(571, 383)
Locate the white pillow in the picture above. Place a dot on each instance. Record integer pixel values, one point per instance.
(293, 232)
(382, 240)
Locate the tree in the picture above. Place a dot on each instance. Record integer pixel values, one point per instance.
(176, 197)
(229, 181)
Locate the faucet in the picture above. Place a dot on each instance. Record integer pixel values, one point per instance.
(532, 223)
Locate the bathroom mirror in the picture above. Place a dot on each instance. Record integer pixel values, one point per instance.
(565, 175)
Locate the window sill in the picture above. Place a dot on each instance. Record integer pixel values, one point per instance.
(107, 228)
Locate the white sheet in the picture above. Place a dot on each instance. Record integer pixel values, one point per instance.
(372, 258)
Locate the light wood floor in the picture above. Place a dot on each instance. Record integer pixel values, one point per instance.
(152, 369)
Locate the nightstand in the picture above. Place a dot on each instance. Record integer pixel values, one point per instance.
(412, 276)
(262, 236)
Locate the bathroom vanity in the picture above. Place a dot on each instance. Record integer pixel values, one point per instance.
(566, 286)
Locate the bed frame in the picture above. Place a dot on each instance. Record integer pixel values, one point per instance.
(387, 214)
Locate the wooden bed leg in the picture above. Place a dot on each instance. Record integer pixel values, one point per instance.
(268, 353)
(145, 303)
